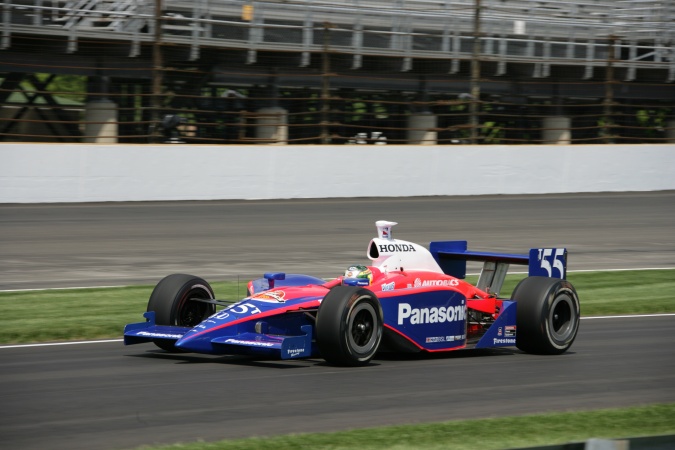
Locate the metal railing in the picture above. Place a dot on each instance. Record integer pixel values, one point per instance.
(542, 32)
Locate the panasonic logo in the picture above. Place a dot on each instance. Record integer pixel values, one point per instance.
(441, 314)
(391, 248)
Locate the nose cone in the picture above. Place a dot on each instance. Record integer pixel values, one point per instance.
(199, 338)
(194, 341)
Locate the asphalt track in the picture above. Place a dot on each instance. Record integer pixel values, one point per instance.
(130, 243)
(107, 396)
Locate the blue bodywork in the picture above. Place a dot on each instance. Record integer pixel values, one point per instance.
(452, 256)
(240, 343)
(250, 327)
(432, 320)
(273, 280)
(502, 333)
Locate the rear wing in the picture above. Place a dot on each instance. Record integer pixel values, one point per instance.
(452, 257)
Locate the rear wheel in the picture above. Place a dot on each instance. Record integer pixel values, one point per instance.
(171, 300)
(547, 315)
(349, 326)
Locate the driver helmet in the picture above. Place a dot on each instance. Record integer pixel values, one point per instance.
(361, 273)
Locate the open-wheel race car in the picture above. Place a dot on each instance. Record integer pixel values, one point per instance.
(409, 299)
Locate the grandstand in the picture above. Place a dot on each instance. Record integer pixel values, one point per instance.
(313, 71)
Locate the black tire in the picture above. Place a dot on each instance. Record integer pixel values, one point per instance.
(547, 315)
(170, 300)
(349, 326)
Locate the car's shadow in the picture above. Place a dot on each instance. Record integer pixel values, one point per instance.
(256, 361)
(459, 354)
(241, 360)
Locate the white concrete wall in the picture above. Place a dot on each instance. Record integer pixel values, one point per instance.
(45, 173)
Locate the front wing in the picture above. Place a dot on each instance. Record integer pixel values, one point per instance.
(258, 344)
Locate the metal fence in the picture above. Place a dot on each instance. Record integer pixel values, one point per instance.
(357, 71)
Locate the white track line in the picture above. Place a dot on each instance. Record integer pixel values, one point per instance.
(51, 344)
(69, 288)
(632, 316)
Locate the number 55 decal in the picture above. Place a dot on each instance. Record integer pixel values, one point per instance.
(243, 308)
(548, 262)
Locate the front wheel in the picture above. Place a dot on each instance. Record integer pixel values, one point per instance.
(173, 304)
(547, 315)
(349, 326)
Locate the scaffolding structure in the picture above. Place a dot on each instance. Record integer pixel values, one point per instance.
(270, 71)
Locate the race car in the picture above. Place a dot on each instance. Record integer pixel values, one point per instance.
(408, 299)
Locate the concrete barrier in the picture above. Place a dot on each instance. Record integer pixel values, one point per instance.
(48, 173)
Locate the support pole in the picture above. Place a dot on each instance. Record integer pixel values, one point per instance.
(157, 74)
(670, 131)
(100, 113)
(422, 123)
(325, 85)
(272, 120)
(475, 76)
(608, 122)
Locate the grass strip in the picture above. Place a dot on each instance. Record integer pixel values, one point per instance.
(485, 434)
(101, 313)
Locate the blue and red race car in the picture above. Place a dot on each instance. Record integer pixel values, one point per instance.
(409, 299)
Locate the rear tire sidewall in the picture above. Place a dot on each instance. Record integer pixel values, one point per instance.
(547, 315)
(349, 326)
(561, 304)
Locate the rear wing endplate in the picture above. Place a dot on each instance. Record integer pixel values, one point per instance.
(452, 257)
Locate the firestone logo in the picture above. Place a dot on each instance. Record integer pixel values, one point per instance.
(417, 316)
(295, 352)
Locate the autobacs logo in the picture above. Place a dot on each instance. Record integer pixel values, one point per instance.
(434, 314)
(426, 283)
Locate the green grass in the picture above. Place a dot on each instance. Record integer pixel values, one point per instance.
(74, 314)
(623, 292)
(485, 434)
